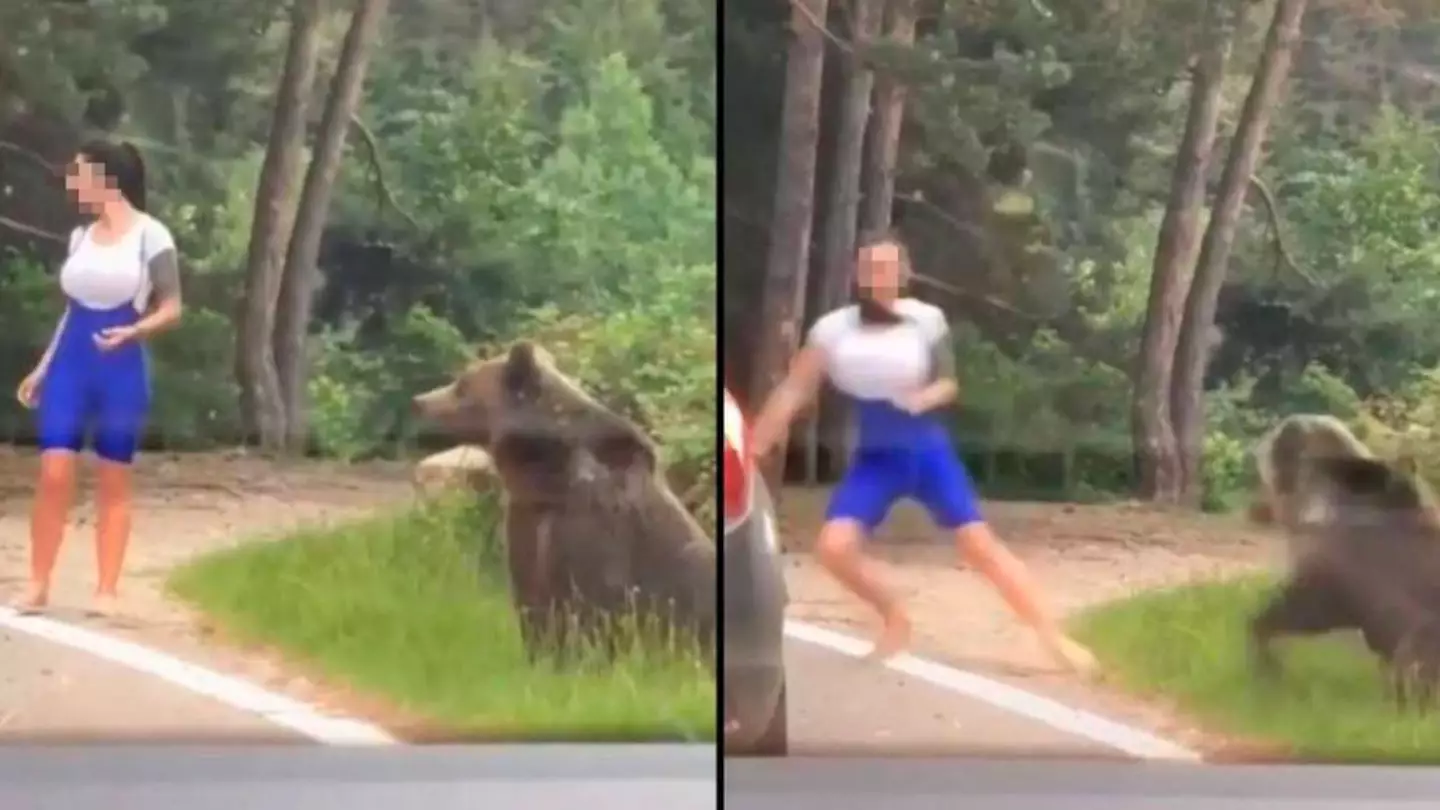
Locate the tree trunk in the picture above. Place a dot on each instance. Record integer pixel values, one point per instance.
(1193, 353)
(1156, 453)
(879, 171)
(838, 258)
(262, 408)
(786, 265)
(301, 276)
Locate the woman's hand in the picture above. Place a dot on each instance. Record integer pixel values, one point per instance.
(915, 402)
(928, 398)
(794, 392)
(29, 390)
(115, 337)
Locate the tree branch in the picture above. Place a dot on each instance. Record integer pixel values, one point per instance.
(1283, 257)
(38, 160)
(31, 230)
(385, 196)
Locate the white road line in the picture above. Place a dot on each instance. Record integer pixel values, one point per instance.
(1132, 741)
(237, 694)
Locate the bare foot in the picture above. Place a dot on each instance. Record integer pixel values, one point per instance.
(35, 600)
(894, 638)
(1073, 656)
(104, 606)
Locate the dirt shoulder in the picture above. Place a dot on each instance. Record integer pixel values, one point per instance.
(188, 505)
(1082, 554)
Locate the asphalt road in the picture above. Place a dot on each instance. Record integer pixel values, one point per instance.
(50, 692)
(53, 692)
(842, 705)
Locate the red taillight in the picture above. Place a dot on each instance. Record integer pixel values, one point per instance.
(735, 471)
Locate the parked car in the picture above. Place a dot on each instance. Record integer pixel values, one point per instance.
(753, 685)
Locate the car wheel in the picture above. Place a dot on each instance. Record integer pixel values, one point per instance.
(775, 742)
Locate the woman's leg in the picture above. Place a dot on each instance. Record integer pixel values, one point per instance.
(119, 424)
(49, 513)
(859, 504)
(979, 545)
(112, 529)
(948, 494)
(60, 424)
(839, 550)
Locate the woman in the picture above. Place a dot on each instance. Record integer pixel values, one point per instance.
(892, 356)
(122, 285)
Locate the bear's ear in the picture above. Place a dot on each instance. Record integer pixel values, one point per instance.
(522, 369)
(621, 446)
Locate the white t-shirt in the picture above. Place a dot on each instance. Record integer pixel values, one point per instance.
(880, 361)
(106, 276)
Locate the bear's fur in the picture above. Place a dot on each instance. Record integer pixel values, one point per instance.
(1371, 562)
(593, 532)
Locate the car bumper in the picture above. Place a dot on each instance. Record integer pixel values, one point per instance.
(754, 624)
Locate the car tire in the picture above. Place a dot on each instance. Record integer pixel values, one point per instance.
(775, 741)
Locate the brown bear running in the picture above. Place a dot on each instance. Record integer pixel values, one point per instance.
(1371, 562)
(595, 538)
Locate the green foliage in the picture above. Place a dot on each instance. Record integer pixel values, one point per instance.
(1368, 217)
(461, 150)
(359, 400)
(588, 213)
(1228, 473)
(1405, 425)
(1365, 225)
(608, 203)
(1355, 338)
(1041, 403)
(193, 406)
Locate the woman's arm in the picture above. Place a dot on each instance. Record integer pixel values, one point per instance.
(796, 391)
(44, 364)
(943, 387)
(167, 306)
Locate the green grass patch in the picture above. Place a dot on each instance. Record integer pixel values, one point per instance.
(414, 608)
(1189, 644)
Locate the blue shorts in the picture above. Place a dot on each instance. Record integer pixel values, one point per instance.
(87, 393)
(931, 474)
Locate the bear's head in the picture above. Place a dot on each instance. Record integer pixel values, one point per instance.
(1369, 491)
(1287, 493)
(535, 422)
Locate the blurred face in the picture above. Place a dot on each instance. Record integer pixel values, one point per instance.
(880, 272)
(88, 184)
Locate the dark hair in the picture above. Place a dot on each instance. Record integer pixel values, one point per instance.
(872, 311)
(121, 162)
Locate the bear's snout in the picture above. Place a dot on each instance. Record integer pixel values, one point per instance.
(435, 404)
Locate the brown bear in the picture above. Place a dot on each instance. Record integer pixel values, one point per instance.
(593, 533)
(1371, 562)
